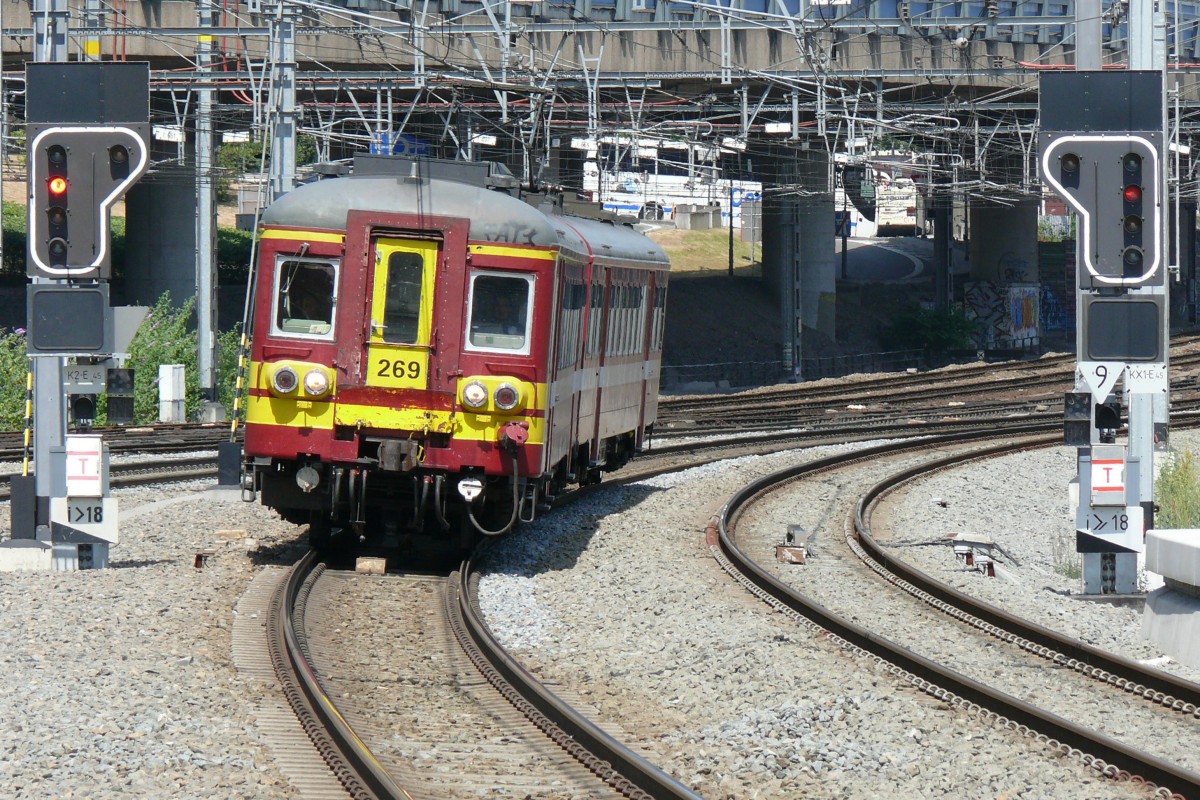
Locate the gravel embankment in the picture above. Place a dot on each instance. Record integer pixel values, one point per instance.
(119, 682)
(1021, 503)
(620, 596)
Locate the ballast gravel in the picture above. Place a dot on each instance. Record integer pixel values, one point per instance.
(119, 682)
(620, 595)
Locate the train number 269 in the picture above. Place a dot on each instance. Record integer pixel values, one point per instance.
(398, 368)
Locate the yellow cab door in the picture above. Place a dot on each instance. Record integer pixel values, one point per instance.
(401, 313)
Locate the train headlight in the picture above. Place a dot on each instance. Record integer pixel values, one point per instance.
(474, 395)
(507, 397)
(316, 382)
(284, 380)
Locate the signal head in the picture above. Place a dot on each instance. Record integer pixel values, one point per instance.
(57, 249)
(57, 155)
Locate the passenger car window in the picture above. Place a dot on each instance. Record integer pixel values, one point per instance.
(305, 297)
(499, 311)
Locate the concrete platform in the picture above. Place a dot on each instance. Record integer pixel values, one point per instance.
(26, 555)
(1174, 554)
(1171, 619)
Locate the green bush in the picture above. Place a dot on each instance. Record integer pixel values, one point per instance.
(14, 367)
(233, 255)
(163, 338)
(1177, 492)
(167, 336)
(14, 221)
(936, 329)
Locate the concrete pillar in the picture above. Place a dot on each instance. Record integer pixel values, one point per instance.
(799, 259)
(1183, 293)
(818, 264)
(1003, 248)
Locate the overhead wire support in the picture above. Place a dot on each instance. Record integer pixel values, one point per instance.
(283, 99)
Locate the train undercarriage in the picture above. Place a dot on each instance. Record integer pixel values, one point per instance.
(392, 506)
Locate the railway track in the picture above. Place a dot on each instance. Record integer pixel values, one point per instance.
(1082, 688)
(436, 708)
(970, 390)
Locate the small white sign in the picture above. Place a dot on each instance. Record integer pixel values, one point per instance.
(168, 133)
(85, 462)
(1101, 377)
(95, 516)
(1120, 526)
(1146, 378)
(85, 378)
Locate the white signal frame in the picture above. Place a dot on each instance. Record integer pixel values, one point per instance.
(136, 144)
(1085, 215)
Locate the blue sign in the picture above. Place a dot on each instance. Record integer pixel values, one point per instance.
(386, 143)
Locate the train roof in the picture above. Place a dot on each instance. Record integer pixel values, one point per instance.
(494, 215)
(614, 240)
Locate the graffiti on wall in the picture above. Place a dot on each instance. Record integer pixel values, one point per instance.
(985, 305)
(1008, 316)
(1054, 315)
(1023, 304)
(1014, 268)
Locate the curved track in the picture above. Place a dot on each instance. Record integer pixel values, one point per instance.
(1170, 701)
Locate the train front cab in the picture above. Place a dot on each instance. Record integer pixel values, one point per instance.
(440, 375)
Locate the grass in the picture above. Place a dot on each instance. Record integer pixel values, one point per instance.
(1177, 492)
(694, 251)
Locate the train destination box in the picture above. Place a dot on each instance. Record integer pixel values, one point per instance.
(1108, 476)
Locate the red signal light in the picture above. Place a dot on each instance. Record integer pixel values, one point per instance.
(57, 185)
(1133, 193)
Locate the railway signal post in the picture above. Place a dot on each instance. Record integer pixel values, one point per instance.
(1101, 151)
(87, 143)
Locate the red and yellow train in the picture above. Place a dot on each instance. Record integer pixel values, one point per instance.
(434, 358)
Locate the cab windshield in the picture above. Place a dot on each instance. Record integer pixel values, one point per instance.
(500, 306)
